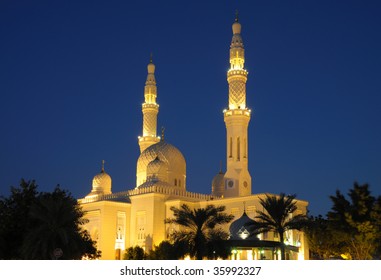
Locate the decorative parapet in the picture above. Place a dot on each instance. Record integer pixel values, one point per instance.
(241, 72)
(240, 112)
(170, 191)
(120, 196)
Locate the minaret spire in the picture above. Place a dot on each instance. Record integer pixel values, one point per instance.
(103, 166)
(150, 110)
(162, 133)
(237, 117)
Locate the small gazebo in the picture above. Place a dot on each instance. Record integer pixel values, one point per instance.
(245, 244)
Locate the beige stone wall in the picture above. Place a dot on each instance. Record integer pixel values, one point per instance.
(147, 220)
(145, 215)
(103, 225)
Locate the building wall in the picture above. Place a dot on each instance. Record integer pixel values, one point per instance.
(145, 220)
(108, 225)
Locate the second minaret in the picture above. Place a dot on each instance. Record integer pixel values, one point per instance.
(150, 110)
(237, 117)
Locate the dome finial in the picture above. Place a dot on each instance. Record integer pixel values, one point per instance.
(103, 165)
(244, 207)
(220, 166)
(151, 66)
(162, 133)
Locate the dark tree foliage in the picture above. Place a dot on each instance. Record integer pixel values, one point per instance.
(199, 229)
(351, 230)
(35, 225)
(135, 253)
(321, 240)
(168, 251)
(217, 247)
(14, 217)
(356, 223)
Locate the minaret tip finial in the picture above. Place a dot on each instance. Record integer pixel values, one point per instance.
(236, 15)
(162, 133)
(150, 57)
(221, 166)
(103, 165)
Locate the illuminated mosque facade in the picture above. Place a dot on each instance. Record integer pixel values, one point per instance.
(136, 217)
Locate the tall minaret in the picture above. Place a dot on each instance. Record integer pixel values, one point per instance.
(150, 110)
(237, 117)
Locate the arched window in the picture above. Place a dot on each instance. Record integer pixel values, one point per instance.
(238, 148)
(230, 147)
(244, 148)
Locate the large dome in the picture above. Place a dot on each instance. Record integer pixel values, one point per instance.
(166, 156)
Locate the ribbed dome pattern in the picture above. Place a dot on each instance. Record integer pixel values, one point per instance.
(101, 184)
(157, 170)
(163, 155)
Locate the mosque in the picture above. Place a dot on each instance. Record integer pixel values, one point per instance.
(136, 217)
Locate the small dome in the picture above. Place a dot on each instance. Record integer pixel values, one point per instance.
(218, 184)
(236, 28)
(157, 170)
(242, 228)
(101, 183)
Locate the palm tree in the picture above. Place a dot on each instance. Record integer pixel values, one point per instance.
(199, 227)
(276, 217)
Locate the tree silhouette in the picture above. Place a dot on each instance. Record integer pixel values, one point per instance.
(199, 228)
(14, 215)
(55, 223)
(278, 217)
(43, 225)
(321, 239)
(134, 253)
(356, 223)
(167, 251)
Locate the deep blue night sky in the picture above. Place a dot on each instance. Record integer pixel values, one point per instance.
(72, 76)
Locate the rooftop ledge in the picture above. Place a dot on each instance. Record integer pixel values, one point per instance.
(124, 196)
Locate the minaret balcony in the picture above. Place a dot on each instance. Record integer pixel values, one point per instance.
(237, 112)
(150, 105)
(152, 138)
(237, 72)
